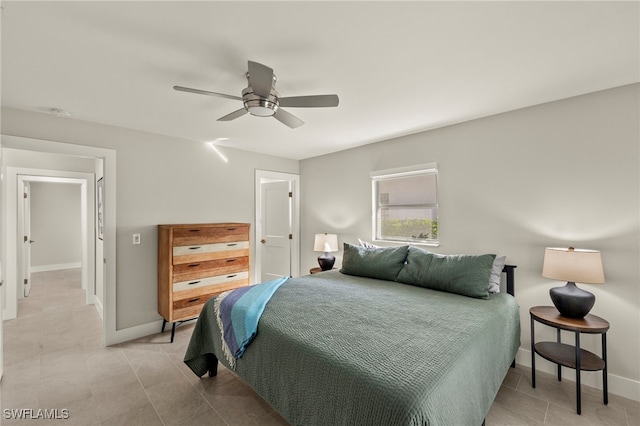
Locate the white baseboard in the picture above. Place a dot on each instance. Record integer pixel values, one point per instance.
(131, 333)
(618, 385)
(98, 305)
(56, 267)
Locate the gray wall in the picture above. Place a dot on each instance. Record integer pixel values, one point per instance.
(45, 161)
(55, 224)
(159, 180)
(559, 174)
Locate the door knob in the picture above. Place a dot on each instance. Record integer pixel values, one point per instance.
(263, 241)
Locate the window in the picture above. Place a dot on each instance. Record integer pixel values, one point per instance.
(405, 204)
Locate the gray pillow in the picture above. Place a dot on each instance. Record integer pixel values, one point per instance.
(382, 263)
(467, 275)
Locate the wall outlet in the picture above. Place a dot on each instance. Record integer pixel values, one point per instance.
(136, 238)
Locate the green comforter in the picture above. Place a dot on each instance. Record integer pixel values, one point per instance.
(334, 349)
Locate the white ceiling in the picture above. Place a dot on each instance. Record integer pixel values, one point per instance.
(398, 68)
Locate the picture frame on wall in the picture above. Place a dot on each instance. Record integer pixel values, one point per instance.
(100, 191)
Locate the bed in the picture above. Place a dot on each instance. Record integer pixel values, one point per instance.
(345, 348)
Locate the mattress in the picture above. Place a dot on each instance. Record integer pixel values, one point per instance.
(335, 349)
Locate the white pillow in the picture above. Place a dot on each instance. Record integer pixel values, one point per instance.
(366, 244)
(496, 273)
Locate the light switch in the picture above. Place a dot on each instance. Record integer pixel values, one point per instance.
(136, 238)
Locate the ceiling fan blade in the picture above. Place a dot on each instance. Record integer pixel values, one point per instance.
(233, 115)
(260, 79)
(314, 101)
(205, 92)
(287, 118)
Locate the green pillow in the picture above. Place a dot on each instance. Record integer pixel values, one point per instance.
(382, 263)
(467, 275)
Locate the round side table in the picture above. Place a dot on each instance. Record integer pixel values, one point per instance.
(565, 355)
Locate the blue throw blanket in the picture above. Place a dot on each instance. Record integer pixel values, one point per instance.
(238, 312)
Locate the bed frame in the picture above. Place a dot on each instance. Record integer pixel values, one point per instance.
(510, 270)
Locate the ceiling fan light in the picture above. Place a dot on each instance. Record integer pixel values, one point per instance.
(261, 107)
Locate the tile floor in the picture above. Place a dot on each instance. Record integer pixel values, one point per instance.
(53, 359)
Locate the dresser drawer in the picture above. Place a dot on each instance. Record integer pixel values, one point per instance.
(210, 268)
(206, 235)
(188, 303)
(211, 281)
(188, 312)
(191, 304)
(193, 301)
(200, 252)
(204, 291)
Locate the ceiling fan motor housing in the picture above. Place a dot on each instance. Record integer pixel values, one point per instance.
(259, 106)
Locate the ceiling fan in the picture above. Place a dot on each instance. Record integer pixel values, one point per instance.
(261, 99)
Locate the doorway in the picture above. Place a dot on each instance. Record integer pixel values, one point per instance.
(62, 225)
(105, 165)
(277, 223)
(24, 178)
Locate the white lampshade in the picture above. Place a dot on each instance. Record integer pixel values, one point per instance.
(326, 243)
(573, 265)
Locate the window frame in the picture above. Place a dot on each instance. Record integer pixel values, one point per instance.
(379, 175)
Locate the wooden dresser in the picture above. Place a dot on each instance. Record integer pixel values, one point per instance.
(196, 262)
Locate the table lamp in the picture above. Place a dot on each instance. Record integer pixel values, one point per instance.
(572, 265)
(326, 243)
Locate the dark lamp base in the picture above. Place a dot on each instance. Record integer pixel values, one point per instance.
(571, 301)
(326, 261)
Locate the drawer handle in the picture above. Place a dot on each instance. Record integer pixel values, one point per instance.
(231, 260)
(232, 244)
(193, 282)
(194, 248)
(194, 230)
(231, 229)
(194, 300)
(193, 265)
(231, 276)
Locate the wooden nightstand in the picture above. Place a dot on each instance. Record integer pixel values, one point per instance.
(317, 270)
(570, 355)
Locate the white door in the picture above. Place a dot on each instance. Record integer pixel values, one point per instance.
(27, 241)
(275, 224)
